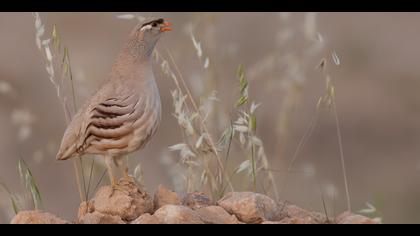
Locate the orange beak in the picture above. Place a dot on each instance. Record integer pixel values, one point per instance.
(165, 27)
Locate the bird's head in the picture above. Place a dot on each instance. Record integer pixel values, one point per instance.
(145, 35)
(152, 29)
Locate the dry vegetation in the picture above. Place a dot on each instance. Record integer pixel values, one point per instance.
(220, 153)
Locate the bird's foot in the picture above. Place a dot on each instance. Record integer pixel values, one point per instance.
(129, 180)
(128, 177)
(117, 187)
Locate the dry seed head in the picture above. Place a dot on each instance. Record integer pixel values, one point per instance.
(206, 63)
(322, 64)
(245, 165)
(335, 58)
(320, 38)
(197, 46)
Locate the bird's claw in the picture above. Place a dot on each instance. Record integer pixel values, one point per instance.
(115, 187)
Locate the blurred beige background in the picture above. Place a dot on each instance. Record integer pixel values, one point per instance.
(377, 84)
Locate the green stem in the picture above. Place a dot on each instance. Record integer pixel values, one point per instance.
(254, 174)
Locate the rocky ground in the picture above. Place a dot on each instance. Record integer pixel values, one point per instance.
(130, 205)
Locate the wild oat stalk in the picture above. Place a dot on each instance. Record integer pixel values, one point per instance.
(302, 142)
(57, 59)
(293, 65)
(246, 127)
(329, 100)
(202, 120)
(198, 144)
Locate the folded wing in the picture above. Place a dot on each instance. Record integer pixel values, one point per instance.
(108, 128)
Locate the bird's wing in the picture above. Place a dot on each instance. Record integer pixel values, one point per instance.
(109, 124)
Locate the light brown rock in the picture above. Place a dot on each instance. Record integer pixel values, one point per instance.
(175, 214)
(350, 218)
(164, 196)
(294, 220)
(196, 200)
(146, 219)
(250, 207)
(306, 220)
(272, 223)
(37, 217)
(292, 214)
(100, 218)
(216, 215)
(129, 202)
(84, 208)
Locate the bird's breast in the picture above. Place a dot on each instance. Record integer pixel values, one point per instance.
(150, 110)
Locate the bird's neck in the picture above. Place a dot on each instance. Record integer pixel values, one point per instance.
(132, 66)
(135, 60)
(139, 50)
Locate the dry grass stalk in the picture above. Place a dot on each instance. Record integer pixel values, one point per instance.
(57, 60)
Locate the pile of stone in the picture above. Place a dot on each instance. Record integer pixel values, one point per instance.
(130, 205)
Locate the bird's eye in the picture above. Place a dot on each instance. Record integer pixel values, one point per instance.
(154, 24)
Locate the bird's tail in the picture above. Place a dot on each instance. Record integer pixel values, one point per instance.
(66, 153)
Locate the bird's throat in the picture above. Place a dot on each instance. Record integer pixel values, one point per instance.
(140, 50)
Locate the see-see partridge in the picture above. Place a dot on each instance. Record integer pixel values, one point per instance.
(124, 114)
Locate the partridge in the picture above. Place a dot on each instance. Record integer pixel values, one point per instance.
(124, 114)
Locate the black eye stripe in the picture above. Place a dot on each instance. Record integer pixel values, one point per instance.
(153, 23)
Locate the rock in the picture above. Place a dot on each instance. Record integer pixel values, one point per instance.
(291, 214)
(100, 218)
(250, 207)
(350, 218)
(292, 220)
(146, 219)
(272, 223)
(175, 214)
(306, 220)
(37, 217)
(196, 200)
(216, 215)
(164, 196)
(84, 208)
(128, 202)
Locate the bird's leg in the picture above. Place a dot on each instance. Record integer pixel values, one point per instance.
(127, 177)
(122, 165)
(118, 161)
(108, 162)
(114, 182)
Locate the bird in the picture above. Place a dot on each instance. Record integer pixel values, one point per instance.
(125, 112)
